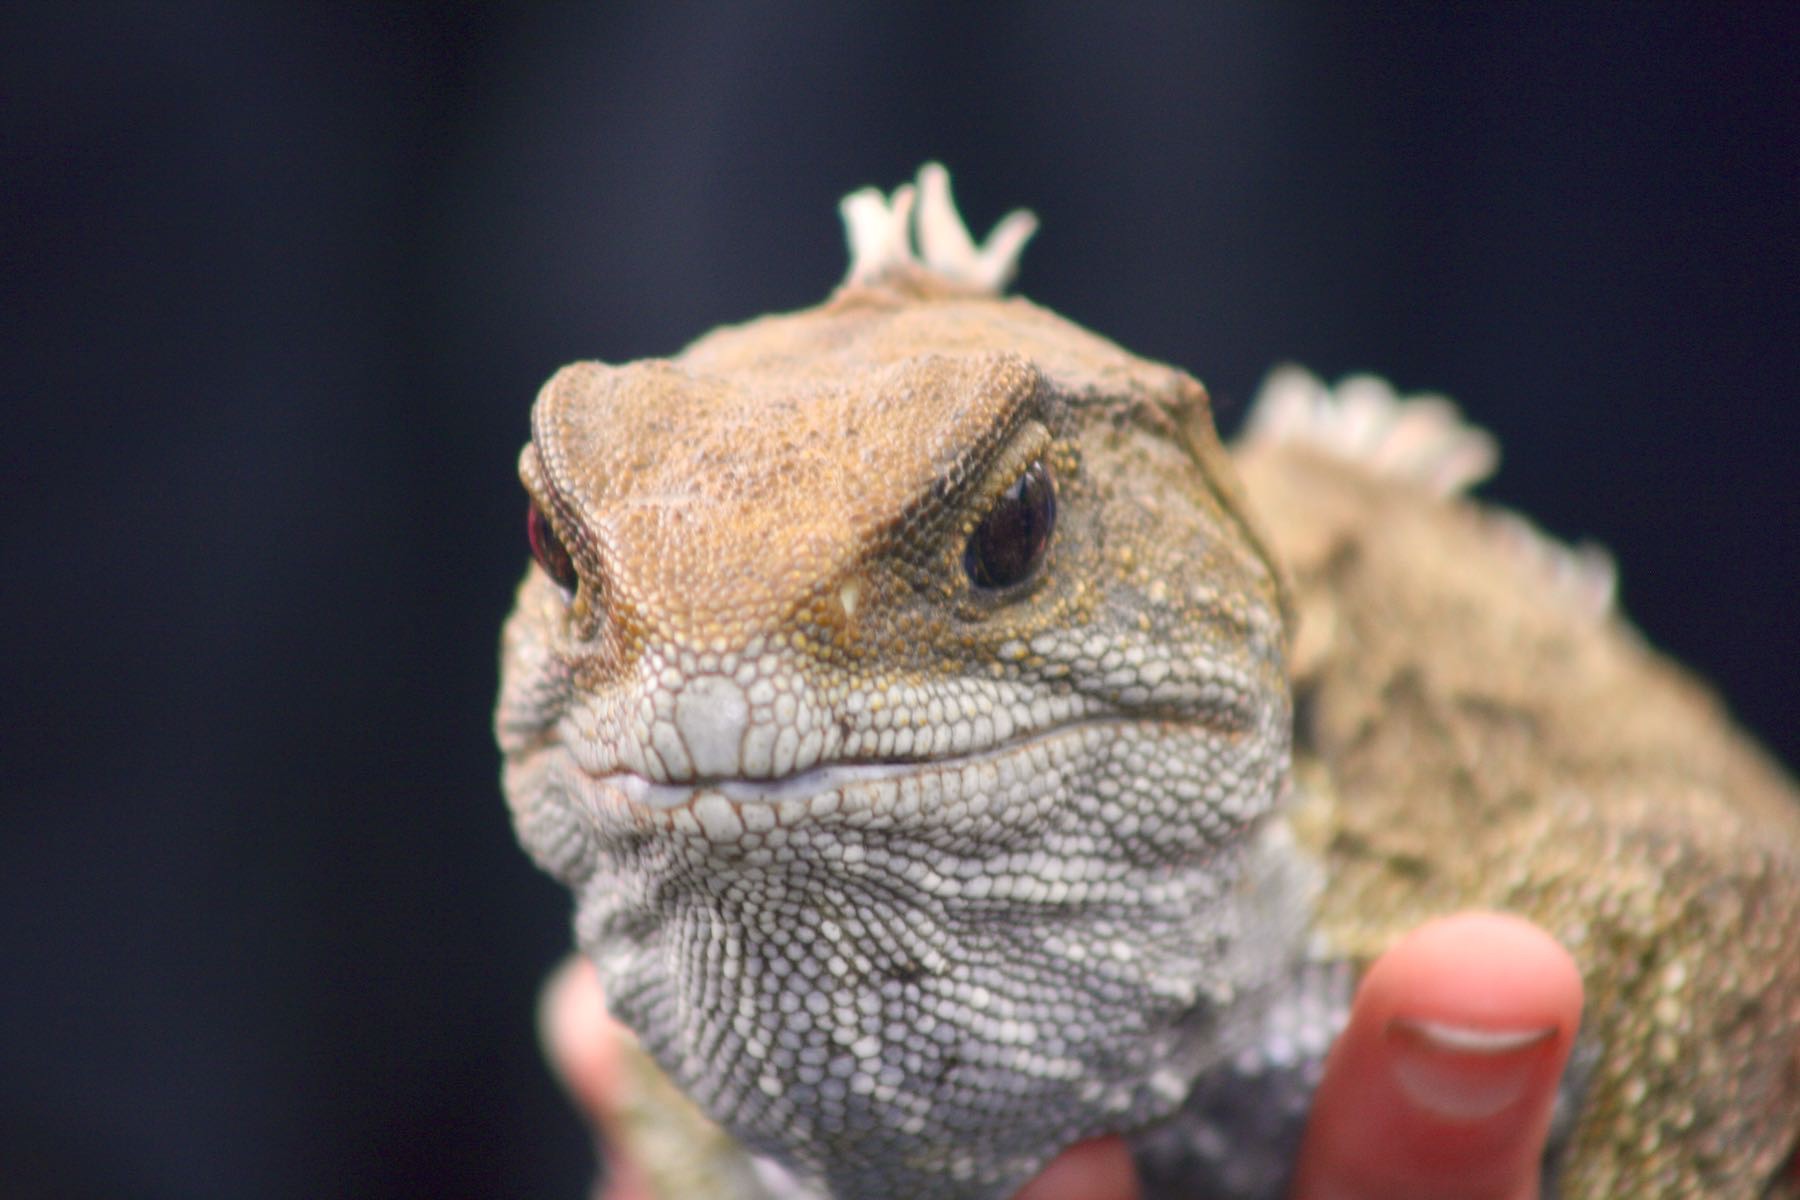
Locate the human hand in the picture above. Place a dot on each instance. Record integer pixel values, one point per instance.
(1401, 1114)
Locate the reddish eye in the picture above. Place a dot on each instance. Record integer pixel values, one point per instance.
(549, 551)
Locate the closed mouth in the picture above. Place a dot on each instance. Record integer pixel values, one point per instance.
(827, 777)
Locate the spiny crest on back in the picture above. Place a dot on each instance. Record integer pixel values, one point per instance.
(916, 236)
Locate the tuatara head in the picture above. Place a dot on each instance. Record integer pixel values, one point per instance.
(900, 688)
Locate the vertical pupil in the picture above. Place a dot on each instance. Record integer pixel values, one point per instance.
(1010, 541)
(549, 551)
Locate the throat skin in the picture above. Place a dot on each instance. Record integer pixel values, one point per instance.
(907, 878)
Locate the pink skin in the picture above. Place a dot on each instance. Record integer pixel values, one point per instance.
(1404, 1113)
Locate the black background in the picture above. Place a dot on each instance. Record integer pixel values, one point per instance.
(280, 282)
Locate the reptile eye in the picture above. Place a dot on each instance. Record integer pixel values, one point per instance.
(1010, 541)
(549, 551)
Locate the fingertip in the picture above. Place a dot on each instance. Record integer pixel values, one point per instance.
(1480, 969)
(580, 1039)
(1447, 1070)
(1098, 1169)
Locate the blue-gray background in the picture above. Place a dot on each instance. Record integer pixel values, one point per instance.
(280, 282)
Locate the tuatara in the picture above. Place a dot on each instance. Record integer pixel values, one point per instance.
(956, 752)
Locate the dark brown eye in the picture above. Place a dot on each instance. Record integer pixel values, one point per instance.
(1010, 541)
(549, 551)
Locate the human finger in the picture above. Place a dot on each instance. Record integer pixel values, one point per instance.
(582, 1043)
(1098, 1169)
(1442, 1083)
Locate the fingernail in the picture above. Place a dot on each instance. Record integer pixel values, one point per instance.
(1463, 1073)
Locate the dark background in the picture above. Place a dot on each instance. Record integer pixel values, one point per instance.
(280, 282)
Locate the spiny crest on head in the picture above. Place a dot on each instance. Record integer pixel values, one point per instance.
(918, 230)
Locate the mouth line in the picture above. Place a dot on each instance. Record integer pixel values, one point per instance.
(828, 776)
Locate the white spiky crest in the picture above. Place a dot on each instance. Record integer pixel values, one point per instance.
(1363, 419)
(1424, 439)
(918, 228)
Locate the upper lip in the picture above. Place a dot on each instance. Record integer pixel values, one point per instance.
(823, 777)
